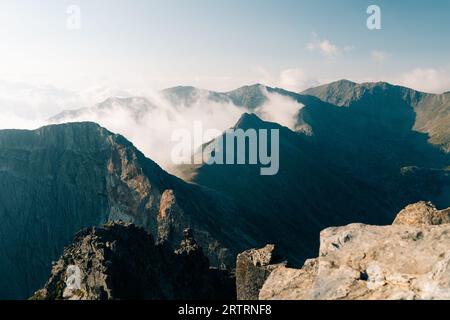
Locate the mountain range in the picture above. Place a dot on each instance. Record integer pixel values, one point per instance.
(355, 153)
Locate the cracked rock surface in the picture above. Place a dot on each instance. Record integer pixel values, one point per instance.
(407, 260)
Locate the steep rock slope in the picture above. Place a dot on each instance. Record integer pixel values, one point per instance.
(58, 179)
(121, 261)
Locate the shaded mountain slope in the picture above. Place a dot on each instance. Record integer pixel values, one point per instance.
(432, 111)
(374, 135)
(307, 194)
(357, 165)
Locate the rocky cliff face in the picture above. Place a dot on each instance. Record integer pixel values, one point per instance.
(122, 261)
(56, 180)
(408, 260)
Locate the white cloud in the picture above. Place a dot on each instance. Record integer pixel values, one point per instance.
(10, 120)
(30, 101)
(296, 80)
(36, 102)
(280, 109)
(326, 47)
(434, 80)
(151, 131)
(379, 56)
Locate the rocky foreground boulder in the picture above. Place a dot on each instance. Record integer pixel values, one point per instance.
(408, 260)
(122, 261)
(422, 213)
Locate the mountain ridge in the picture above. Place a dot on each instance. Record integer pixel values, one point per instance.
(383, 151)
(432, 111)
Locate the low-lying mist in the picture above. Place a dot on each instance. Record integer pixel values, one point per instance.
(150, 122)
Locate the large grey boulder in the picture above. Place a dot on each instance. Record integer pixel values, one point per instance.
(402, 261)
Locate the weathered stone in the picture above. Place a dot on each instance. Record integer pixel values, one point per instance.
(422, 213)
(252, 269)
(408, 260)
(290, 284)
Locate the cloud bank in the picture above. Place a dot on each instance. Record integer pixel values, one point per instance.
(433, 80)
(326, 47)
(151, 122)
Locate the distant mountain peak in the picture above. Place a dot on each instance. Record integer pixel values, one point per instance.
(180, 89)
(248, 120)
(188, 95)
(124, 100)
(252, 121)
(256, 86)
(343, 92)
(251, 96)
(343, 82)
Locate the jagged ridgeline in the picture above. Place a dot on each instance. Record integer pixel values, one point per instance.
(122, 261)
(358, 153)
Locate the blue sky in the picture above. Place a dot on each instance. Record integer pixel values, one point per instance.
(222, 44)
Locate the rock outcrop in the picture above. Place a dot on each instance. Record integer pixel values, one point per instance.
(253, 267)
(422, 213)
(408, 260)
(122, 261)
